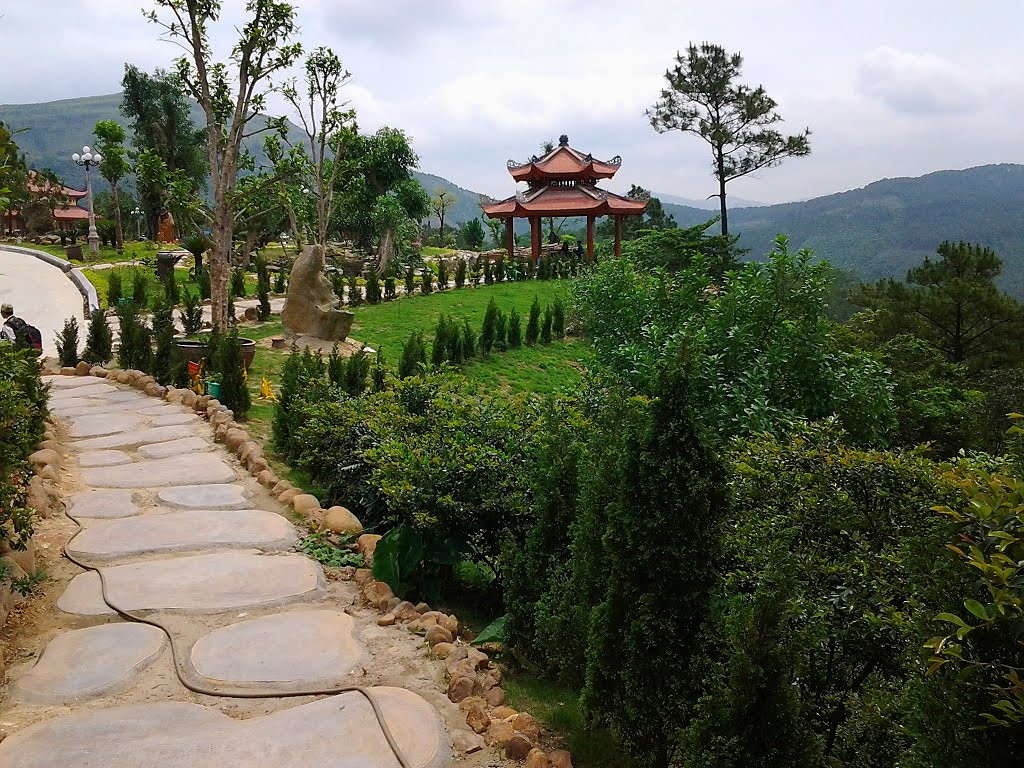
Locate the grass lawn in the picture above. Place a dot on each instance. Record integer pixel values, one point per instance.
(133, 251)
(100, 278)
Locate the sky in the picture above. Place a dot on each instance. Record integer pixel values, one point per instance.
(887, 87)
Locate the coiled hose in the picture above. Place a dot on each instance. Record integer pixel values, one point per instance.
(227, 692)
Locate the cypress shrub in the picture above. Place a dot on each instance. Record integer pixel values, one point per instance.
(135, 350)
(389, 288)
(357, 373)
(238, 282)
(460, 273)
(533, 324)
(232, 319)
(490, 328)
(298, 370)
(515, 331)
(67, 343)
(172, 294)
(468, 341)
(373, 287)
(378, 374)
(113, 288)
(453, 339)
(439, 350)
(139, 289)
(336, 365)
(355, 292)
(442, 274)
(338, 285)
(234, 392)
(99, 340)
(414, 357)
(213, 350)
(499, 269)
(280, 281)
(488, 273)
(410, 282)
(262, 288)
(163, 330)
(203, 278)
(426, 281)
(545, 331)
(501, 332)
(558, 318)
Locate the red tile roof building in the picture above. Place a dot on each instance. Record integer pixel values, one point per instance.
(65, 216)
(564, 183)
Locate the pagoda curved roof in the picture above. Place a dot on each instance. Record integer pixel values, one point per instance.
(575, 200)
(562, 163)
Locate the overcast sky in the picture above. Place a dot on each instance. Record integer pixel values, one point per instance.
(887, 87)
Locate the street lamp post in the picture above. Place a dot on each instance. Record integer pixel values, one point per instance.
(88, 158)
(137, 213)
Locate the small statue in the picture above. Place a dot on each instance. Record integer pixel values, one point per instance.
(166, 229)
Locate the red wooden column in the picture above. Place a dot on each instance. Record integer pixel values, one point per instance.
(590, 238)
(535, 237)
(618, 236)
(510, 236)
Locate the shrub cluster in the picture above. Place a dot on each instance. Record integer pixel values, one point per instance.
(22, 415)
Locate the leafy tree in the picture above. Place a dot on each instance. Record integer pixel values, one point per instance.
(472, 234)
(110, 138)
(735, 120)
(158, 112)
(442, 200)
(653, 218)
(953, 303)
(231, 97)
(13, 170)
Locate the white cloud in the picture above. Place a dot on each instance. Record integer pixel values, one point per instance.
(918, 84)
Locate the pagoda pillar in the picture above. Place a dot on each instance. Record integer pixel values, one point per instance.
(618, 236)
(510, 236)
(535, 238)
(590, 239)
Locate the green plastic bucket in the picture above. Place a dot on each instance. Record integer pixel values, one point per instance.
(213, 389)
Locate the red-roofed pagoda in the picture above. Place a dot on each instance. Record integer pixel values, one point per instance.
(564, 183)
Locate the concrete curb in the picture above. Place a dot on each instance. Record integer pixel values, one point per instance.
(90, 301)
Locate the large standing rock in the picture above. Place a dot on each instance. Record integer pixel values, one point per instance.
(310, 307)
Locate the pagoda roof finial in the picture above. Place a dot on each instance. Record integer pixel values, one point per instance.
(563, 140)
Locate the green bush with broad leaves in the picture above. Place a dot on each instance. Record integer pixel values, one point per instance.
(22, 414)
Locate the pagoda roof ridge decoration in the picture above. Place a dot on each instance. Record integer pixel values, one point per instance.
(563, 163)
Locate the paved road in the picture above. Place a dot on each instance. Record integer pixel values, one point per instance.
(41, 294)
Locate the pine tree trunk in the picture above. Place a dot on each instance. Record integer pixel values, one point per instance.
(721, 193)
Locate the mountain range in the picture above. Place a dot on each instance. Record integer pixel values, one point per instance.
(880, 230)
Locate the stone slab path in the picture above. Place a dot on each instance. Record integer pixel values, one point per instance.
(188, 539)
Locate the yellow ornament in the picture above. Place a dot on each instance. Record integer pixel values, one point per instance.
(266, 391)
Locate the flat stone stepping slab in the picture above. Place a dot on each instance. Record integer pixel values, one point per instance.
(306, 648)
(86, 663)
(104, 424)
(204, 496)
(133, 438)
(185, 531)
(103, 504)
(337, 732)
(146, 407)
(211, 583)
(174, 448)
(103, 458)
(69, 382)
(156, 473)
(96, 387)
(174, 418)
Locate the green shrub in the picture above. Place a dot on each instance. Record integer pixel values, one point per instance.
(460, 273)
(262, 289)
(410, 282)
(439, 349)
(488, 272)
(172, 294)
(234, 392)
(501, 332)
(139, 289)
(414, 357)
(355, 292)
(163, 330)
(515, 331)
(442, 274)
(468, 336)
(238, 283)
(488, 335)
(357, 373)
(203, 278)
(373, 293)
(135, 350)
(453, 342)
(67, 343)
(299, 369)
(545, 330)
(99, 340)
(558, 318)
(378, 373)
(338, 285)
(191, 313)
(426, 281)
(389, 288)
(113, 288)
(280, 281)
(23, 412)
(533, 324)
(499, 269)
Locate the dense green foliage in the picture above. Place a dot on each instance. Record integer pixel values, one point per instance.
(22, 415)
(231, 370)
(99, 340)
(68, 343)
